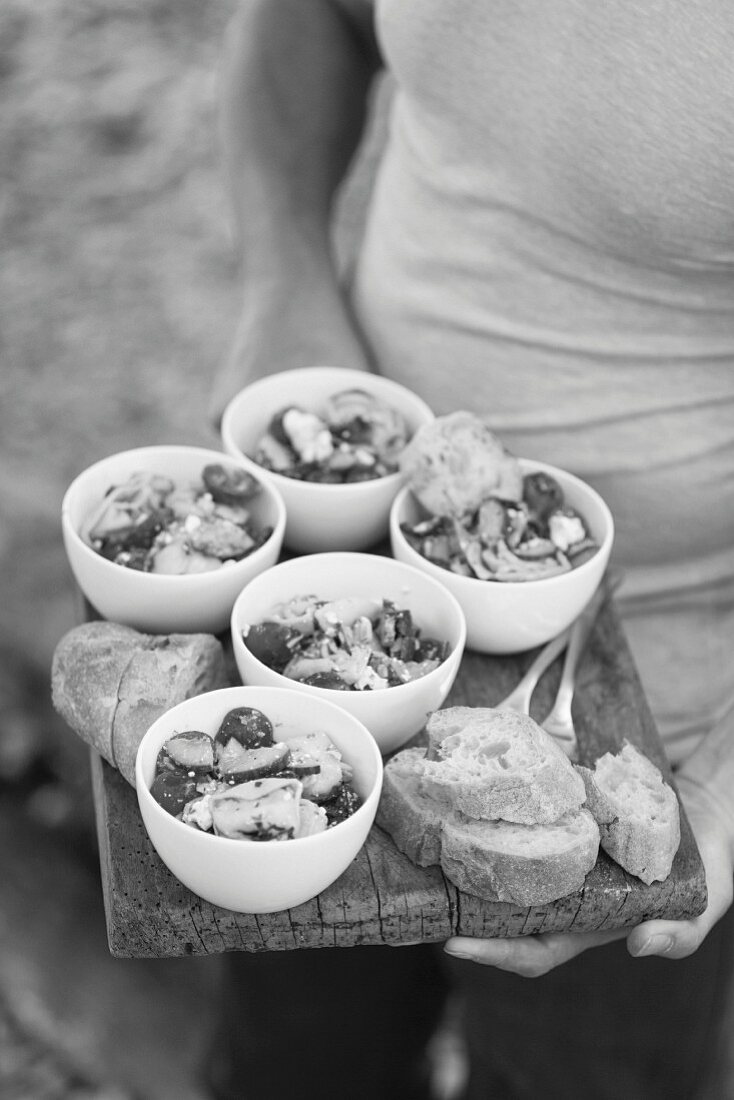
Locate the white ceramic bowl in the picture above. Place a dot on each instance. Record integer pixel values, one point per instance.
(320, 517)
(393, 715)
(512, 617)
(266, 876)
(157, 603)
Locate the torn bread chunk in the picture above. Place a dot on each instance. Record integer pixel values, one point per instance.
(455, 463)
(637, 812)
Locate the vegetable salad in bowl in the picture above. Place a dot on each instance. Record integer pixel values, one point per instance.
(257, 798)
(356, 436)
(242, 783)
(350, 644)
(152, 523)
(521, 544)
(376, 637)
(487, 519)
(164, 538)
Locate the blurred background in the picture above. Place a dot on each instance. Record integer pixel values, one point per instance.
(118, 295)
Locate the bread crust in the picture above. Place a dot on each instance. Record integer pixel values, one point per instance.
(637, 812)
(110, 682)
(412, 818)
(497, 861)
(493, 860)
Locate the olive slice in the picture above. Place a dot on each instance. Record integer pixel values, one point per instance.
(247, 725)
(276, 427)
(272, 643)
(543, 495)
(342, 805)
(229, 484)
(172, 791)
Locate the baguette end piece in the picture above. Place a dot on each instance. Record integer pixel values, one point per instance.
(637, 812)
(109, 683)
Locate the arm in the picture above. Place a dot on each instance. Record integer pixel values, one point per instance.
(295, 83)
(706, 786)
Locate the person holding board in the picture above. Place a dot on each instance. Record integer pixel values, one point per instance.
(549, 243)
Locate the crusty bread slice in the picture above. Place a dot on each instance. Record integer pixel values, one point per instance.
(494, 860)
(637, 812)
(493, 764)
(522, 864)
(110, 682)
(413, 819)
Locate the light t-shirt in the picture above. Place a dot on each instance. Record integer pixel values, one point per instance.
(550, 243)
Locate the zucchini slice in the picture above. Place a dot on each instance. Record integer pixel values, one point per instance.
(241, 764)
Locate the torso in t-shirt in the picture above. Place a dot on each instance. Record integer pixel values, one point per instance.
(550, 244)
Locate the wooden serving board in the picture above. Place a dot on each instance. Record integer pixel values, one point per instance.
(383, 898)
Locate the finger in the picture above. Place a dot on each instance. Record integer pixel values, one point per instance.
(678, 939)
(671, 939)
(528, 956)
